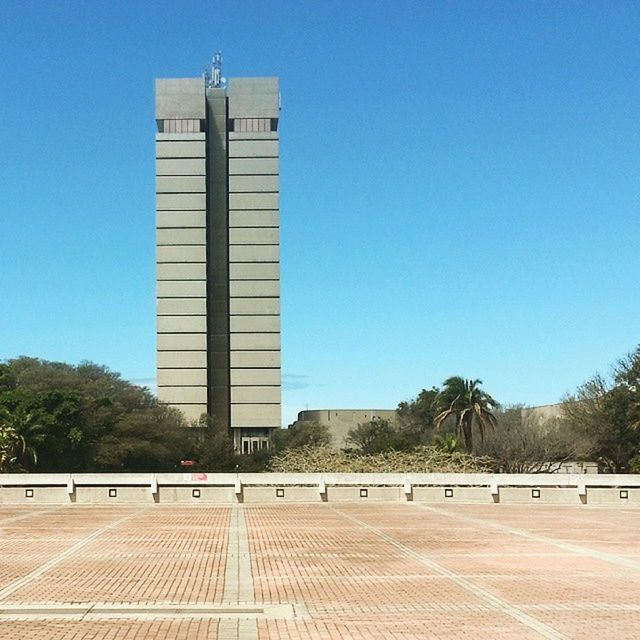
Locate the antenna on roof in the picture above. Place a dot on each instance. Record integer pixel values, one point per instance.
(213, 75)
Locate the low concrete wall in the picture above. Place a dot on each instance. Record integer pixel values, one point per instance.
(225, 488)
(452, 494)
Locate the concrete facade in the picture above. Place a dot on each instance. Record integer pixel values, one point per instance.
(217, 239)
(341, 421)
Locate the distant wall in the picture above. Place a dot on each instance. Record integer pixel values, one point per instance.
(228, 488)
(543, 412)
(341, 421)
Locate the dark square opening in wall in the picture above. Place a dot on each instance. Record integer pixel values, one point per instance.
(279, 493)
(195, 493)
(113, 493)
(535, 493)
(364, 493)
(28, 493)
(448, 492)
(624, 494)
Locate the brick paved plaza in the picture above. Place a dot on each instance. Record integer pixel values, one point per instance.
(319, 571)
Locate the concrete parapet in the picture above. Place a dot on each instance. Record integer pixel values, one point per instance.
(109, 488)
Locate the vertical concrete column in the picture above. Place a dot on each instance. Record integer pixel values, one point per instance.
(218, 255)
(254, 257)
(181, 245)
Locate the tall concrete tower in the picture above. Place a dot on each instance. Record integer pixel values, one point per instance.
(217, 237)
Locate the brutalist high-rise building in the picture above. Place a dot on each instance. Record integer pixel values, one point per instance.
(218, 275)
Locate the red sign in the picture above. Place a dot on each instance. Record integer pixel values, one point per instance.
(187, 463)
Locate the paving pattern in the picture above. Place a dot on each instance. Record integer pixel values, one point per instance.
(319, 571)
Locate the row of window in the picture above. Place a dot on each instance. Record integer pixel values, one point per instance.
(253, 125)
(190, 125)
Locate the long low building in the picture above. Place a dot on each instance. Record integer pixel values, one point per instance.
(341, 421)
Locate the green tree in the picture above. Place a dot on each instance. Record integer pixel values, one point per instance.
(88, 419)
(376, 436)
(302, 433)
(211, 447)
(416, 417)
(604, 413)
(522, 442)
(627, 375)
(21, 433)
(469, 404)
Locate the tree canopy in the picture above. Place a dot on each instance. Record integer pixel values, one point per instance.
(604, 415)
(464, 400)
(60, 417)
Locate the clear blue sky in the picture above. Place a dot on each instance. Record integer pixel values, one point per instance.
(460, 186)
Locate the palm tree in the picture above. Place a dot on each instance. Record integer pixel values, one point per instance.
(20, 434)
(447, 443)
(469, 404)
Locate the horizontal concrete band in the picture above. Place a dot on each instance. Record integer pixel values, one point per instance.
(181, 236)
(250, 325)
(252, 183)
(181, 184)
(182, 377)
(255, 415)
(123, 611)
(251, 166)
(184, 253)
(180, 137)
(239, 201)
(254, 219)
(184, 201)
(181, 219)
(254, 253)
(245, 228)
(180, 167)
(247, 148)
(253, 135)
(255, 376)
(261, 288)
(622, 490)
(182, 360)
(259, 323)
(183, 395)
(182, 324)
(257, 341)
(182, 306)
(253, 236)
(254, 306)
(171, 379)
(181, 149)
(254, 271)
(255, 359)
(181, 289)
(181, 271)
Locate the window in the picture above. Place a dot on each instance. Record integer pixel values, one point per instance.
(448, 492)
(195, 493)
(183, 125)
(252, 125)
(279, 493)
(535, 493)
(364, 493)
(28, 493)
(113, 493)
(624, 494)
